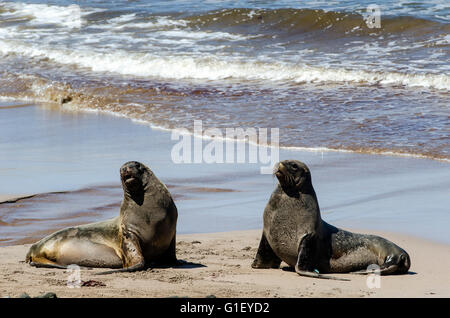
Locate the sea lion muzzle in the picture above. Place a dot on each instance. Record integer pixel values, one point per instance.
(281, 172)
(131, 174)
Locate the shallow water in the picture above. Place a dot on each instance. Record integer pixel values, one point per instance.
(314, 69)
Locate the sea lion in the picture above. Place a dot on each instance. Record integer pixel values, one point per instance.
(144, 232)
(295, 233)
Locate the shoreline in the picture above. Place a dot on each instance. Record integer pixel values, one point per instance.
(50, 105)
(362, 151)
(218, 264)
(320, 149)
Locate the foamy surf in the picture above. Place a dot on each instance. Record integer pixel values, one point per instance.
(65, 16)
(212, 68)
(129, 21)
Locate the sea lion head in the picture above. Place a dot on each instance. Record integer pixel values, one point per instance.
(404, 263)
(293, 175)
(399, 260)
(135, 177)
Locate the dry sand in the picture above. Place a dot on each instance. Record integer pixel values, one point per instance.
(219, 264)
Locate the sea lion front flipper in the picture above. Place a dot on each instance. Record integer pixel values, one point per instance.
(305, 260)
(133, 258)
(317, 275)
(169, 257)
(265, 257)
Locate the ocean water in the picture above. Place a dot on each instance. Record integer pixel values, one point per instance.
(313, 69)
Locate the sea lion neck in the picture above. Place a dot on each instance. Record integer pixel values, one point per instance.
(135, 196)
(150, 187)
(290, 191)
(305, 188)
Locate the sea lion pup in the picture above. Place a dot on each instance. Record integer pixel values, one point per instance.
(144, 232)
(295, 233)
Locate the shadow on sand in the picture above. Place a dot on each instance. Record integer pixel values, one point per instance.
(179, 265)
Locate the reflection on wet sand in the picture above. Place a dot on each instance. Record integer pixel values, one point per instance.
(29, 218)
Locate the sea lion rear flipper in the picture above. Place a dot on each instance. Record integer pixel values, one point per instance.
(265, 257)
(42, 262)
(133, 258)
(387, 270)
(305, 259)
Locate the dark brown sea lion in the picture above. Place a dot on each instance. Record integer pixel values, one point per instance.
(144, 232)
(295, 233)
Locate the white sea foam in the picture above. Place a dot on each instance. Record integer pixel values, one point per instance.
(202, 35)
(129, 21)
(67, 16)
(214, 68)
(7, 99)
(164, 27)
(123, 18)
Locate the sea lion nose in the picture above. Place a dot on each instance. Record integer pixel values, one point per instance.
(130, 167)
(282, 167)
(127, 173)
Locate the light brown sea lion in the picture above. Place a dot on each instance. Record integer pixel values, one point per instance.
(144, 232)
(295, 233)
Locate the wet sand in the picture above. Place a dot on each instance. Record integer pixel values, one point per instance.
(219, 265)
(72, 160)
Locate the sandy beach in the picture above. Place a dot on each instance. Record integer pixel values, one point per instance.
(71, 161)
(219, 264)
